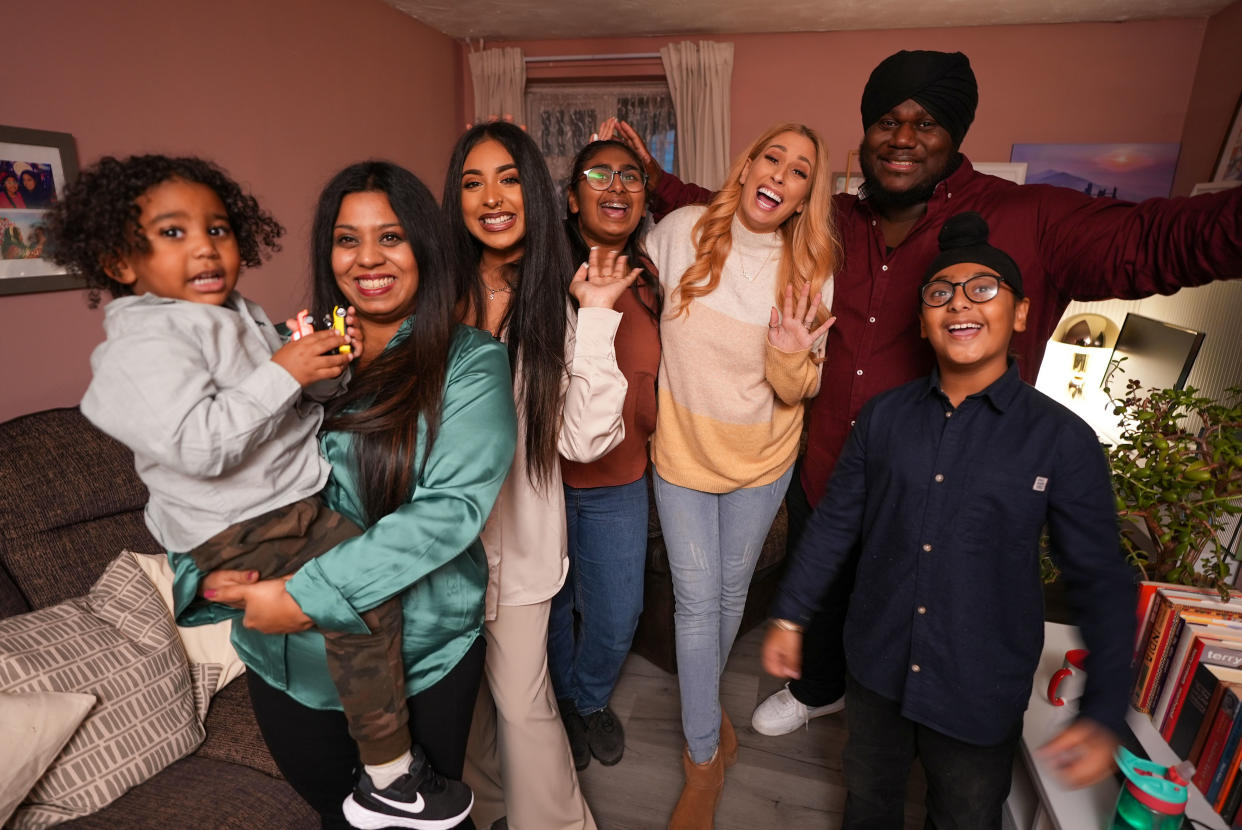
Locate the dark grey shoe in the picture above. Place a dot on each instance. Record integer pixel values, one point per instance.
(576, 729)
(605, 735)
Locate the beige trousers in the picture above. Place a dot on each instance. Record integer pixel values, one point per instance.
(518, 760)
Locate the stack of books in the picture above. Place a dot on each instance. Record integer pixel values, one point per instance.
(1188, 680)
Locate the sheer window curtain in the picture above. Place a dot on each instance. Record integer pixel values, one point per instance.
(562, 117)
(499, 79)
(698, 79)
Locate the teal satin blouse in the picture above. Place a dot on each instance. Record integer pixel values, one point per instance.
(427, 550)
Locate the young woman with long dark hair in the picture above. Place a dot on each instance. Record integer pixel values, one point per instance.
(420, 445)
(514, 273)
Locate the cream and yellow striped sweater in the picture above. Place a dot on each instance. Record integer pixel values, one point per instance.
(730, 405)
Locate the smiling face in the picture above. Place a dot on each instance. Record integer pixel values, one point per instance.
(491, 199)
(372, 259)
(776, 182)
(28, 181)
(973, 337)
(192, 253)
(606, 218)
(905, 154)
(10, 183)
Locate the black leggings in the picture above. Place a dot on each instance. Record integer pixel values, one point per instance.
(314, 751)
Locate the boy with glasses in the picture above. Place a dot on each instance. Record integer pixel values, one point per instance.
(941, 492)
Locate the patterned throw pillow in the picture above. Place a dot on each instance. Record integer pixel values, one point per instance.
(119, 644)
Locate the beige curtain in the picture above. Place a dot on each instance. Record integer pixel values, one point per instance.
(499, 78)
(698, 78)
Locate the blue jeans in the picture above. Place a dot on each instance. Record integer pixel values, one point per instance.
(607, 551)
(713, 542)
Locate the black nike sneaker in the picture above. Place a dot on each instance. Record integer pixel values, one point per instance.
(421, 799)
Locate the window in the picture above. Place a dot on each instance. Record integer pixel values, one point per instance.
(561, 119)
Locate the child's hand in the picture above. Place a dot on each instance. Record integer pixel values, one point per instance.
(782, 653)
(306, 360)
(354, 332)
(1082, 753)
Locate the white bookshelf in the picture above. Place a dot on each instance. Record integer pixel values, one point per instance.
(1037, 800)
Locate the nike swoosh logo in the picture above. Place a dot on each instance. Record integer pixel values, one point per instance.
(403, 806)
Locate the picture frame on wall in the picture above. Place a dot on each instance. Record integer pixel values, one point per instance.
(1229, 165)
(35, 168)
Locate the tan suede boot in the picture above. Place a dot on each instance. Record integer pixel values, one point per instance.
(728, 739)
(696, 809)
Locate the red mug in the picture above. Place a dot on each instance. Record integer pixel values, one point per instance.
(1067, 682)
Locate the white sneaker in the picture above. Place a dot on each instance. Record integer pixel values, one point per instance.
(782, 713)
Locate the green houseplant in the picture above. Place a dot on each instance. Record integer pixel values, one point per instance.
(1177, 475)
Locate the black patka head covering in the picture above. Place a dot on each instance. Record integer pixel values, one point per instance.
(964, 238)
(941, 82)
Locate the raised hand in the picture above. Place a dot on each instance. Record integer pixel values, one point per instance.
(790, 330)
(618, 130)
(602, 279)
(306, 360)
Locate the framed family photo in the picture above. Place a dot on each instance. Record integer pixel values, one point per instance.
(35, 167)
(1229, 166)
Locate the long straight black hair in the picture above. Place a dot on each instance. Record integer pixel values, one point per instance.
(534, 323)
(405, 383)
(633, 248)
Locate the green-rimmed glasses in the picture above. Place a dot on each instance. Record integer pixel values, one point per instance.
(601, 178)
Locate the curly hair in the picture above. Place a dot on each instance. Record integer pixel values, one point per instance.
(96, 224)
(811, 246)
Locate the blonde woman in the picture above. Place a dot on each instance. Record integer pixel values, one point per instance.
(748, 281)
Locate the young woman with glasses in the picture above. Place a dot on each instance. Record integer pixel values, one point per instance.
(606, 500)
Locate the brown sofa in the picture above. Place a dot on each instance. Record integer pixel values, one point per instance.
(70, 503)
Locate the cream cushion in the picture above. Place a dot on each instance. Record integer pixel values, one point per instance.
(34, 726)
(204, 644)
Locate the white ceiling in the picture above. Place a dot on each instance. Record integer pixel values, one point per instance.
(553, 19)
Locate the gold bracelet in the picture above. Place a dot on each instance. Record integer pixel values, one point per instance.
(786, 625)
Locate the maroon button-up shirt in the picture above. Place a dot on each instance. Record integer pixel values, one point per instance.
(1069, 246)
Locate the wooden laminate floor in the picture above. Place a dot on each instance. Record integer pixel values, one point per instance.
(792, 781)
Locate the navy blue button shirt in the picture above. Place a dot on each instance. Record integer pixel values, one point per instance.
(944, 508)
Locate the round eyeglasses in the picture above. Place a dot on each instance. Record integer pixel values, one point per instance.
(601, 178)
(977, 289)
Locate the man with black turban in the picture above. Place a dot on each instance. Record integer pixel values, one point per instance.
(916, 109)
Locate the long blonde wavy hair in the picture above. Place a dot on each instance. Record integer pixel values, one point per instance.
(811, 246)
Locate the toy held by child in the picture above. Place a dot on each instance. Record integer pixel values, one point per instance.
(196, 381)
(941, 493)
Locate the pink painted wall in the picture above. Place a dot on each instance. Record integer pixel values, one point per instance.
(275, 91)
(1085, 82)
(1214, 99)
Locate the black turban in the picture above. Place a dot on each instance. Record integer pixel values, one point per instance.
(964, 238)
(941, 82)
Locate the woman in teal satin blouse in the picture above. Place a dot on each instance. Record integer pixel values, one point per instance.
(419, 445)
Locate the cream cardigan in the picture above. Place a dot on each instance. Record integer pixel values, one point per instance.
(525, 534)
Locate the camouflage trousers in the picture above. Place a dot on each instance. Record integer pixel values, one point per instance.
(367, 669)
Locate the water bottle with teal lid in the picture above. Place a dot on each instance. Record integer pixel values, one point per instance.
(1153, 797)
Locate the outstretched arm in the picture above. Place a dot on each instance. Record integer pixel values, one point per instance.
(1101, 249)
